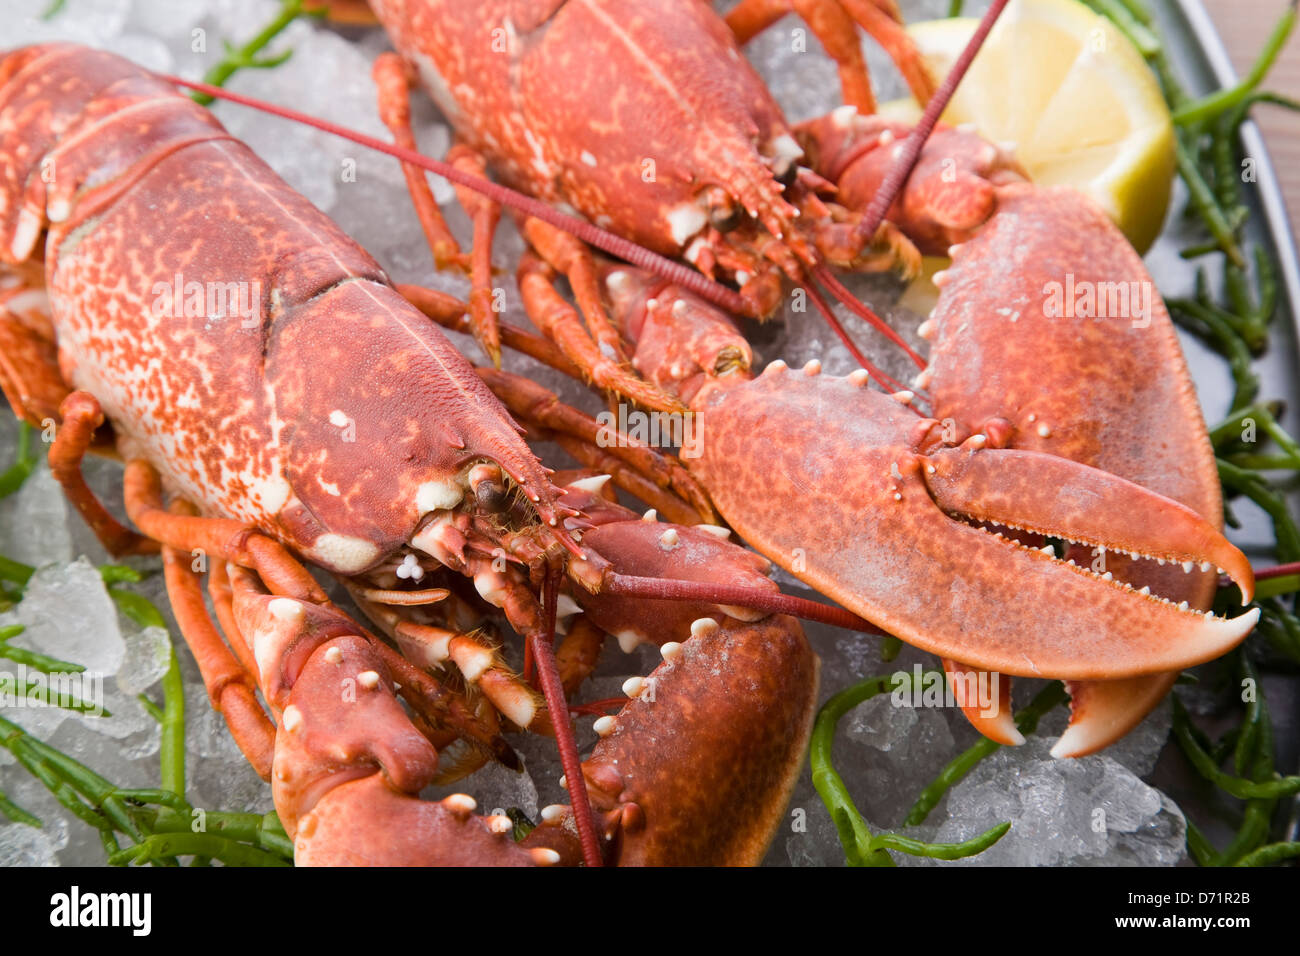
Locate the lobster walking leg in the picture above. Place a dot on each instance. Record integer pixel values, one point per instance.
(29, 364)
(485, 214)
(81, 415)
(537, 405)
(389, 74)
(558, 320)
(231, 688)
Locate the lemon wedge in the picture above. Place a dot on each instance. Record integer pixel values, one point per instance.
(1075, 98)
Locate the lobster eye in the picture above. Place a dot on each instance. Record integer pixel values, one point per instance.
(785, 173)
(489, 488)
(724, 213)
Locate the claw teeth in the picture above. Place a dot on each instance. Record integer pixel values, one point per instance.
(859, 377)
(671, 651)
(1182, 605)
(500, 823)
(633, 686)
(703, 627)
(1205, 565)
(604, 726)
(650, 515)
(554, 812)
(813, 367)
(1187, 567)
(1146, 591)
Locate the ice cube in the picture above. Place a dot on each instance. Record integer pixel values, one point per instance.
(148, 655)
(34, 519)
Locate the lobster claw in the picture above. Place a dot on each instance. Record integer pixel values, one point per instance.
(878, 498)
(1031, 491)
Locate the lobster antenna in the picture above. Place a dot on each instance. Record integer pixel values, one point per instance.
(775, 602)
(548, 673)
(617, 246)
(885, 381)
(894, 180)
(863, 311)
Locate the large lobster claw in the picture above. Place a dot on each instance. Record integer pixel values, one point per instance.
(877, 493)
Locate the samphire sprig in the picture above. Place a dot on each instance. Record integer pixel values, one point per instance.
(1235, 322)
(861, 846)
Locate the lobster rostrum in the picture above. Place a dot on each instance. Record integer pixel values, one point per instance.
(931, 527)
(330, 421)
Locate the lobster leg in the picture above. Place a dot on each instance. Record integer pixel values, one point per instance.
(29, 365)
(485, 215)
(881, 19)
(834, 29)
(81, 415)
(579, 653)
(539, 406)
(832, 22)
(571, 257)
(390, 76)
(222, 597)
(451, 313)
(558, 320)
(231, 689)
(218, 537)
(392, 79)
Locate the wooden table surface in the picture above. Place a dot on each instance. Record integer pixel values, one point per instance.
(1244, 26)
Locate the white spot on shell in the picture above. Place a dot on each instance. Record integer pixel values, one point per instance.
(685, 220)
(343, 553)
(437, 496)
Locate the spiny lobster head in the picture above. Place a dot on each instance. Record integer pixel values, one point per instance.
(392, 441)
(948, 196)
(902, 521)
